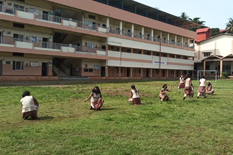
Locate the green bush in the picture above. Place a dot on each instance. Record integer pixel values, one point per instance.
(224, 75)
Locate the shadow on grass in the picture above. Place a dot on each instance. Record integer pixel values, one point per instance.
(45, 118)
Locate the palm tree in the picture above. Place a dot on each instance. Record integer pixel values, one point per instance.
(229, 25)
(184, 16)
(197, 20)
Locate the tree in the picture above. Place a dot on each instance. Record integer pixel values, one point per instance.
(229, 25)
(184, 16)
(197, 20)
(214, 31)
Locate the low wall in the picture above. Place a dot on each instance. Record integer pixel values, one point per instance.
(29, 78)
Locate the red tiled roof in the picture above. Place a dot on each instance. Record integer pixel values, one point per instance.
(202, 30)
(222, 30)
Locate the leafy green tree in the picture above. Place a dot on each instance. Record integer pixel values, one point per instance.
(214, 31)
(197, 20)
(184, 16)
(229, 25)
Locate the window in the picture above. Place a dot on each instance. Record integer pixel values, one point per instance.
(85, 70)
(178, 56)
(172, 72)
(8, 62)
(157, 71)
(207, 67)
(206, 54)
(90, 70)
(91, 16)
(19, 7)
(104, 26)
(164, 55)
(18, 54)
(18, 25)
(18, 37)
(90, 45)
(17, 65)
(121, 70)
(139, 71)
(21, 0)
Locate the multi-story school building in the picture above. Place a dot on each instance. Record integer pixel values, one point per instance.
(99, 39)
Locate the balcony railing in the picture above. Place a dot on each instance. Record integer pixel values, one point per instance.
(49, 45)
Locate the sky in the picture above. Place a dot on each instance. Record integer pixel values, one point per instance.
(215, 12)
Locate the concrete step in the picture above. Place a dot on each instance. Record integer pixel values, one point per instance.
(73, 78)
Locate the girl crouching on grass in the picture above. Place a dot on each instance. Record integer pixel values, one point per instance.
(209, 89)
(163, 95)
(96, 99)
(134, 96)
(30, 106)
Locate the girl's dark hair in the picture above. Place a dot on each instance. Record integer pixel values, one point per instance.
(134, 88)
(97, 90)
(203, 77)
(164, 85)
(26, 93)
(209, 84)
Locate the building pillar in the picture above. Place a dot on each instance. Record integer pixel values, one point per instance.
(181, 73)
(83, 19)
(194, 43)
(107, 22)
(168, 37)
(131, 72)
(204, 67)
(182, 41)
(120, 27)
(141, 72)
(221, 65)
(106, 50)
(167, 74)
(142, 51)
(131, 50)
(151, 75)
(175, 74)
(188, 42)
(119, 71)
(119, 49)
(142, 32)
(152, 34)
(106, 71)
(132, 30)
(175, 39)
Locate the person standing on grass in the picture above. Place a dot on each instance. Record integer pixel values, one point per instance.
(163, 93)
(30, 106)
(181, 85)
(210, 89)
(192, 92)
(134, 96)
(96, 99)
(201, 89)
(187, 88)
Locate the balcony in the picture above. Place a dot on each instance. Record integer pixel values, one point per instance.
(50, 46)
(9, 10)
(149, 38)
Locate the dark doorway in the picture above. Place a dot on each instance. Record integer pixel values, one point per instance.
(1, 34)
(177, 74)
(128, 72)
(103, 71)
(0, 67)
(0, 6)
(71, 70)
(45, 15)
(44, 69)
(163, 73)
(45, 43)
(147, 72)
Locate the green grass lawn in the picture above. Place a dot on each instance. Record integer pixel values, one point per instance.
(66, 126)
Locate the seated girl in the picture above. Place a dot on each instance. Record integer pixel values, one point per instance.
(192, 88)
(134, 96)
(30, 106)
(96, 99)
(163, 96)
(209, 89)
